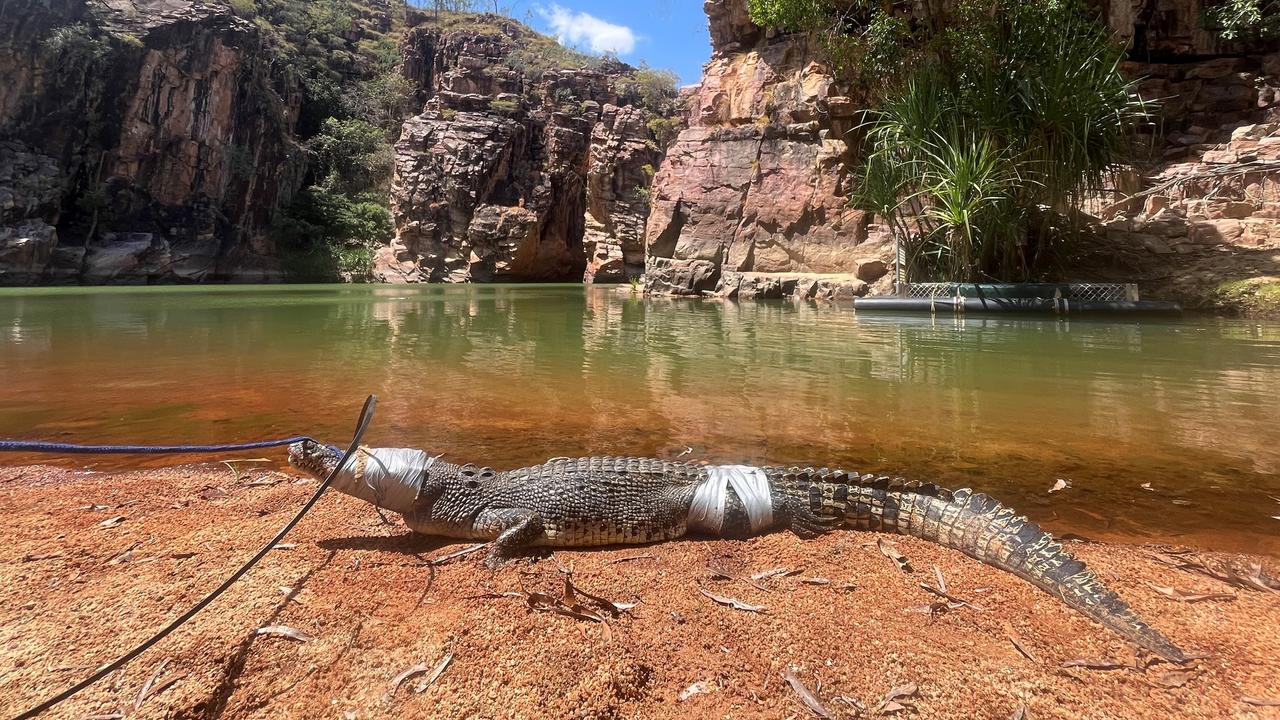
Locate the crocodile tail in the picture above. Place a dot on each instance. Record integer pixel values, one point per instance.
(985, 530)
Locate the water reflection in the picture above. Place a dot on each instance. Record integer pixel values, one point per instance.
(512, 375)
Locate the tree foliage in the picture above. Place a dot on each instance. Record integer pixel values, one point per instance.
(1243, 18)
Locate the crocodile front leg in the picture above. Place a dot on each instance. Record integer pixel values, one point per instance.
(515, 531)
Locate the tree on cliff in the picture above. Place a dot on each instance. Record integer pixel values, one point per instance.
(1236, 18)
(996, 121)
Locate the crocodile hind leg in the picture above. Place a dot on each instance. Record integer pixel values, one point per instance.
(517, 530)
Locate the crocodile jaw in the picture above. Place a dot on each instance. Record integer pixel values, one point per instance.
(313, 458)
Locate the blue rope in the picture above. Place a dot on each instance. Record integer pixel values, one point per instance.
(70, 449)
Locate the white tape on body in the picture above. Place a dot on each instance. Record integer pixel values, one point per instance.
(751, 486)
(388, 477)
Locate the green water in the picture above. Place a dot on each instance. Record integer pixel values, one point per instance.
(512, 375)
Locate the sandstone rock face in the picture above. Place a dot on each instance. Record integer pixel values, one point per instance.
(1206, 221)
(506, 178)
(758, 182)
(620, 168)
(160, 118)
(754, 190)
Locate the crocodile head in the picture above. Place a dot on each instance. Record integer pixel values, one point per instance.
(312, 457)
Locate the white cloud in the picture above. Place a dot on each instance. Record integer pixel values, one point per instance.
(580, 29)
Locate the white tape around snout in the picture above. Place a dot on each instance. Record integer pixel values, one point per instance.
(393, 475)
(751, 486)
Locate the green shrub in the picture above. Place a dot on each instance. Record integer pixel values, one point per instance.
(506, 107)
(653, 90)
(664, 131)
(326, 236)
(244, 8)
(1256, 297)
(352, 156)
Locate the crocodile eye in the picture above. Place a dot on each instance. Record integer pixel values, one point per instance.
(486, 473)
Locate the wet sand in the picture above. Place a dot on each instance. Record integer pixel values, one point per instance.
(78, 587)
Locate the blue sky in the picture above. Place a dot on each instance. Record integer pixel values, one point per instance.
(670, 34)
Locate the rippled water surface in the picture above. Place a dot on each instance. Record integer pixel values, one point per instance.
(1166, 430)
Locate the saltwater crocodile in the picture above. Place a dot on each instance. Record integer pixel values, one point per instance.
(612, 500)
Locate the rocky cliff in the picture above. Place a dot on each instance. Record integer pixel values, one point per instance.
(509, 174)
(752, 197)
(164, 140)
(139, 142)
(758, 182)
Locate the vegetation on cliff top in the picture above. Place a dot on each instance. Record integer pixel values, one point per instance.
(996, 120)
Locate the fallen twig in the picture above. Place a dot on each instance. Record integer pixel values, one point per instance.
(807, 696)
(457, 554)
(629, 558)
(734, 603)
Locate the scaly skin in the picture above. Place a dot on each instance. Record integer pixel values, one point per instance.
(606, 501)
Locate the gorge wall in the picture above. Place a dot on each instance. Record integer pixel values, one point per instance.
(139, 142)
(507, 177)
(752, 197)
(151, 141)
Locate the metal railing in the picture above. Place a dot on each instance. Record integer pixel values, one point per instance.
(1068, 291)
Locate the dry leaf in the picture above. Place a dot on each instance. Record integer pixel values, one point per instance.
(151, 681)
(807, 696)
(1021, 713)
(435, 674)
(1017, 643)
(111, 522)
(571, 591)
(720, 574)
(1174, 678)
(815, 581)
(284, 631)
(1147, 486)
(1060, 485)
(775, 573)
(1184, 596)
(1180, 501)
(893, 701)
(390, 694)
(694, 689)
(1259, 701)
(851, 701)
(733, 602)
(890, 550)
(1094, 664)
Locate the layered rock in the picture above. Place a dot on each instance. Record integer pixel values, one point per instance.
(501, 176)
(164, 132)
(1207, 221)
(621, 165)
(758, 182)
